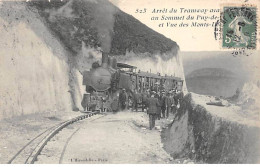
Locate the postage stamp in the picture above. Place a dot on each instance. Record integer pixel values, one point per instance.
(239, 27)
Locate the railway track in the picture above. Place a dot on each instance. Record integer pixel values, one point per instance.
(29, 153)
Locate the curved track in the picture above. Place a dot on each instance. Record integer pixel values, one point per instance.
(29, 153)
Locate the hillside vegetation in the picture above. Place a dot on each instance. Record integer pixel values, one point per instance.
(99, 24)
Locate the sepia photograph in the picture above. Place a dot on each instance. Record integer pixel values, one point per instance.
(129, 82)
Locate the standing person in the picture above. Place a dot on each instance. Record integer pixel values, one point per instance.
(85, 101)
(157, 96)
(101, 104)
(122, 99)
(173, 106)
(152, 110)
(145, 97)
(168, 103)
(163, 104)
(136, 98)
(178, 98)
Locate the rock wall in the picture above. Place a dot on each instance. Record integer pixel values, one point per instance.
(204, 137)
(36, 74)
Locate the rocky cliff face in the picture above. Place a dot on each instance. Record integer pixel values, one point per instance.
(211, 134)
(45, 46)
(34, 68)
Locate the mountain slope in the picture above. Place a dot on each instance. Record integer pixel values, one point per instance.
(98, 23)
(206, 72)
(213, 81)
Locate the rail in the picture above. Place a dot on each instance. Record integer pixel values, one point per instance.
(53, 131)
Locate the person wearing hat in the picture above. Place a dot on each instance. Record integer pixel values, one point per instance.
(174, 101)
(85, 101)
(163, 104)
(153, 103)
(168, 104)
(122, 99)
(136, 99)
(157, 96)
(145, 97)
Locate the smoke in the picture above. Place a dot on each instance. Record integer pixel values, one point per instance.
(87, 56)
(104, 22)
(90, 53)
(170, 54)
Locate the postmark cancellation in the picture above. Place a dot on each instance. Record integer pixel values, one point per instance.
(239, 26)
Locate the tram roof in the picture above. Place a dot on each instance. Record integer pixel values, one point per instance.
(152, 75)
(147, 74)
(123, 65)
(172, 77)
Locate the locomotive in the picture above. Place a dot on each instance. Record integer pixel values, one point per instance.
(104, 83)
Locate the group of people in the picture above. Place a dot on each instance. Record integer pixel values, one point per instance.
(160, 105)
(157, 104)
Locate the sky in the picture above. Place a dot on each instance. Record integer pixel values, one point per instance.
(188, 38)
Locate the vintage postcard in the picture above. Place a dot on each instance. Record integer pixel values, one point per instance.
(129, 82)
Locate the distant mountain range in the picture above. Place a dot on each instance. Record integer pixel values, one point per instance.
(213, 81)
(207, 72)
